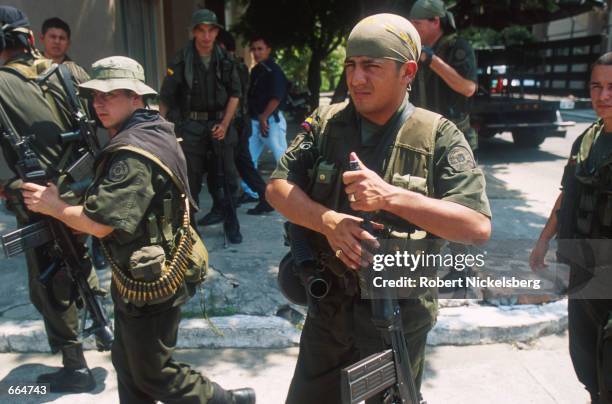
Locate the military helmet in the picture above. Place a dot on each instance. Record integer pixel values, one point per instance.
(14, 27)
(115, 73)
(204, 16)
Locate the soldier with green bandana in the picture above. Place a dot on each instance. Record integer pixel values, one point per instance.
(447, 76)
(416, 172)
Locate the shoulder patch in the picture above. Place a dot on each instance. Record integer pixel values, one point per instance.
(118, 171)
(169, 72)
(460, 54)
(460, 159)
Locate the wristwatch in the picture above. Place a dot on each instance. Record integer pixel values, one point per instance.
(430, 54)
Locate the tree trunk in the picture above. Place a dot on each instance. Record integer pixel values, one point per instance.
(314, 77)
(341, 90)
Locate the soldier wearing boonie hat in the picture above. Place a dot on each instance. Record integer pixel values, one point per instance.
(139, 204)
(402, 152)
(117, 72)
(448, 72)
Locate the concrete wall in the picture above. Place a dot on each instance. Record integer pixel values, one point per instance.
(96, 31)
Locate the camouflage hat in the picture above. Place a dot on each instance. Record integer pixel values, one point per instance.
(427, 9)
(204, 16)
(115, 73)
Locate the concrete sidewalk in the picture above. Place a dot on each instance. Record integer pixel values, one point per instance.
(242, 298)
(540, 373)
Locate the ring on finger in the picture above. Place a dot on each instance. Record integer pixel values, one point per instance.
(352, 198)
(338, 253)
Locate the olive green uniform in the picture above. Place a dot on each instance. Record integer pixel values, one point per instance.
(127, 191)
(196, 95)
(587, 317)
(343, 332)
(77, 71)
(431, 92)
(31, 113)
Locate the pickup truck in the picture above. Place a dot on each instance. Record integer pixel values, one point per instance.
(522, 89)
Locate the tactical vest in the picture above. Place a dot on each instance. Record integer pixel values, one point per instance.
(185, 257)
(51, 90)
(592, 190)
(55, 97)
(430, 97)
(195, 87)
(409, 165)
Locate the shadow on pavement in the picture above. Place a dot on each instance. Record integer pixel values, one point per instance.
(25, 375)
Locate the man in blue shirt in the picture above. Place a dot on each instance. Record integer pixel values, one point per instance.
(267, 91)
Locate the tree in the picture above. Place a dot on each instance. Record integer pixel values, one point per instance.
(313, 29)
(319, 25)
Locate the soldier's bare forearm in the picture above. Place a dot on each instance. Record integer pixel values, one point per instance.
(230, 110)
(450, 76)
(448, 220)
(74, 217)
(296, 205)
(550, 229)
(270, 108)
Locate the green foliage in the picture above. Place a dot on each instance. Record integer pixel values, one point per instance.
(294, 60)
(487, 37)
(516, 35)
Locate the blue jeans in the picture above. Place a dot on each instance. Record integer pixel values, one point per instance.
(275, 141)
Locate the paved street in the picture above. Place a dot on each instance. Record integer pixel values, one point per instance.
(523, 185)
(499, 373)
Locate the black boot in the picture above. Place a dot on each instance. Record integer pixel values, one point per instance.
(261, 208)
(68, 380)
(246, 198)
(213, 217)
(238, 396)
(243, 396)
(232, 230)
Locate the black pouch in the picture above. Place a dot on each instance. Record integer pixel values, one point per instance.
(323, 181)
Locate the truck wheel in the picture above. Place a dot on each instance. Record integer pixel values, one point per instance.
(528, 138)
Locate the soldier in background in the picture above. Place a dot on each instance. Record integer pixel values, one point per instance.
(55, 37)
(242, 156)
(447, 75)
(200, 94)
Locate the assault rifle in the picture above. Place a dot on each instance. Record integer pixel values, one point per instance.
(63, 246)
(388, 372)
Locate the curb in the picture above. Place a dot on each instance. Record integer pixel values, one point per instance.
(464, 325)
(475, 324)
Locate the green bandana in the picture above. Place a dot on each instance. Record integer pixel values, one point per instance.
(386, 36)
